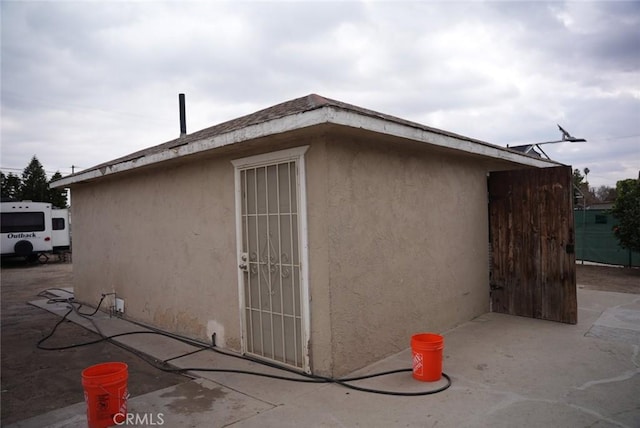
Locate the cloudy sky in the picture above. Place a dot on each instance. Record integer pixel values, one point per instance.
(85, 82)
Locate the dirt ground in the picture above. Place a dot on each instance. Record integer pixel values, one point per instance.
(606, 278)
(36, 381)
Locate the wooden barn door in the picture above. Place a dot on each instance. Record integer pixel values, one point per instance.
(533, 271)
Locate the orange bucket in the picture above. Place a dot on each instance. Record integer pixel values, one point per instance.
(105, 392)
(427, 356)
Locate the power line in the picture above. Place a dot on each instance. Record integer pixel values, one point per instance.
(621, 137)
(3, 168)
(58, 105)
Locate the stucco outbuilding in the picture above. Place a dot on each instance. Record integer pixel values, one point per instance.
(314, 233)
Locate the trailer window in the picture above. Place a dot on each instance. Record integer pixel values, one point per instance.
(58, 223)
(23, 222)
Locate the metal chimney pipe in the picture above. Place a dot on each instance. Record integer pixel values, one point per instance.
(183, 120)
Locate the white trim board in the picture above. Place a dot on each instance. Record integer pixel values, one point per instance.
(323, 115)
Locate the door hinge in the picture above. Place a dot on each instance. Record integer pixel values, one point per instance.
(494, 286)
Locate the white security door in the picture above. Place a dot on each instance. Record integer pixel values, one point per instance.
(271, 258)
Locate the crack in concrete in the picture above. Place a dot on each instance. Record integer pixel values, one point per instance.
(510, 398)
(597, 415)
(633, 302)
(622, 377)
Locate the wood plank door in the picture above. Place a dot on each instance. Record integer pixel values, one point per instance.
(533, 271)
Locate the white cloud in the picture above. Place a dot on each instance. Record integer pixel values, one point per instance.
(83, 83)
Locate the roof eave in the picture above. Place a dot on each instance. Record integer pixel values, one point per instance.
(325, 114)
(440, 139)
(264, 129)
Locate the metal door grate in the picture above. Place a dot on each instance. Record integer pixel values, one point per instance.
(273, 320)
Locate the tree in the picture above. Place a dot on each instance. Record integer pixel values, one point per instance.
(582, 193)
(578, 178)
(33, 186)
(626, 210)
(606, 194)
(57, 197)
(34, 182)
(10, 187)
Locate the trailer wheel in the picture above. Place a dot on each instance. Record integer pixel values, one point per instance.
(23, 248)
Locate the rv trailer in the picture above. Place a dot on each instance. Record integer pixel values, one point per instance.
(31, 229)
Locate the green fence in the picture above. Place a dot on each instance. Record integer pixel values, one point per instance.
(596, 242)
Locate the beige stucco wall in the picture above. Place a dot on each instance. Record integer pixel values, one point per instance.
(397, 236)
(164, 241)
(320, 347)
(407, 246)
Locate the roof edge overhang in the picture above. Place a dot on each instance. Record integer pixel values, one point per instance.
(327, 114)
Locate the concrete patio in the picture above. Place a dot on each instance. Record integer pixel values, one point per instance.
(506, 371)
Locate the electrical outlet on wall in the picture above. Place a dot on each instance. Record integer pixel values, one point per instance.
(119, 305)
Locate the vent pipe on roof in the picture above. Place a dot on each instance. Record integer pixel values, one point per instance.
(183, 120)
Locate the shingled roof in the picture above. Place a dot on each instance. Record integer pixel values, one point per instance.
(293, 107)
(287, 108)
